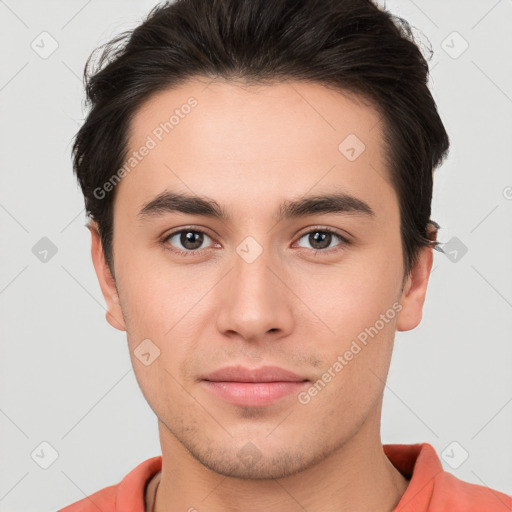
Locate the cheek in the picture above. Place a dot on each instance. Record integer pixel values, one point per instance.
(361, 312)
(364, 326)
(351, 297)
(144, 305)
(147, 289)
(358, 304)
(167, 307)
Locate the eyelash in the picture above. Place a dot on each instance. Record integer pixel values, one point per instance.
(343, 241)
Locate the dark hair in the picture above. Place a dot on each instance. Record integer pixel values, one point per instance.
(351, 45)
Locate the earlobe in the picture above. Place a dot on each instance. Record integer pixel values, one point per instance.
(414, 292)
(114, 314)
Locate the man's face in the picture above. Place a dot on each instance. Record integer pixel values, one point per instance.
(260, 290)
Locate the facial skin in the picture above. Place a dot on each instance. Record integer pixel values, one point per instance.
(250, 149)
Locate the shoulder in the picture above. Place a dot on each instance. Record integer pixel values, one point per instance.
(104, 500)
(432, 489)
(453, 495)
(127, 496)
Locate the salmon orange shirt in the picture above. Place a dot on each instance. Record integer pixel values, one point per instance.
(431, 489)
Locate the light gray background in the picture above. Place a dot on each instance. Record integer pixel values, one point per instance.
(66, 374)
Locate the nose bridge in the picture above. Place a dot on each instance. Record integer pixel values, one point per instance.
(256, 300)
(251, 272)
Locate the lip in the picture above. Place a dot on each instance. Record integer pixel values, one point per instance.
(253, 388)
(263, 374)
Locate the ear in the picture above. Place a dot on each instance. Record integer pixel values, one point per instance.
(415, 288)
(114, 314)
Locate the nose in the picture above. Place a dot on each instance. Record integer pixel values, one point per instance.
(255, 302)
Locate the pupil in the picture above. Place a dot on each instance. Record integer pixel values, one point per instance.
(320, 237)
(193, 238)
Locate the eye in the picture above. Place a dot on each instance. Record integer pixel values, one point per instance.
(187, 241)
(321, 239)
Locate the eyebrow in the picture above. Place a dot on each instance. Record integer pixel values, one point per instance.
(337, 203)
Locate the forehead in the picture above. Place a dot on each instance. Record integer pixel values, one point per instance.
(226, 139)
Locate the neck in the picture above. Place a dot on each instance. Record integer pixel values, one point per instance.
(356, 476)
